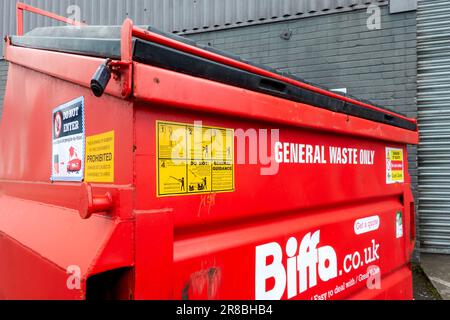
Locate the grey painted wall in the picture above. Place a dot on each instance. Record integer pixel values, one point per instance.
(338, 51)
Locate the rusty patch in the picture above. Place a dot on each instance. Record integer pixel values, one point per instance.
(203, 285)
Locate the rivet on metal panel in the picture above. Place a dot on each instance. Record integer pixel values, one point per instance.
(286, 35)
(90, 204)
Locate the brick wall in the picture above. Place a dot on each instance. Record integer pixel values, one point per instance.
(339, 51)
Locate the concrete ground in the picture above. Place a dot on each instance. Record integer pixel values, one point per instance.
(423, 288)
(437, 269)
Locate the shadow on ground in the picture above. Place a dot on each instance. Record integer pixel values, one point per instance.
(423, 288)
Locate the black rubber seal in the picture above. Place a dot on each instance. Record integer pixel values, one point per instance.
(171, 59)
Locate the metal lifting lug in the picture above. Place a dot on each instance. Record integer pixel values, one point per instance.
(123, 72)
(90, 203)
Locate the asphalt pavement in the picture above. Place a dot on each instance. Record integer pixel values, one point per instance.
(423, 287)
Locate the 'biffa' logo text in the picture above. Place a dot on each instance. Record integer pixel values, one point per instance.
(305, 265)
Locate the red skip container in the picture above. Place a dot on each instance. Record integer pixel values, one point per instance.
(139, 165)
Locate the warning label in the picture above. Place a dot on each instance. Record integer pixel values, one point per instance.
(172, 176)
(100, 158)
(199, 176)
(394, 166)
(194, 159)
(68, 141)
(222, 175)
(172, 142)
(199, 142)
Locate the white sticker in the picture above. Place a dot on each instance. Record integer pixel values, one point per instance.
(68, 136)
(366, 225)
(399, 225)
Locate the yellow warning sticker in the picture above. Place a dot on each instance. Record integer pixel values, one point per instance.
(172, 141)
(199, 142)
(222, 144)
(172, 177)
(222, 175)
(194, 159)
(100, 158)
(199, 176)
(395, 171)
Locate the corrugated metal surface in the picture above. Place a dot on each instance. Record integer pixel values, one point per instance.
(182, 16)
(434, 119)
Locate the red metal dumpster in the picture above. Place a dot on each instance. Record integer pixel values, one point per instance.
(138, 165)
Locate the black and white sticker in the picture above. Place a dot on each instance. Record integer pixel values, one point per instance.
(68, 134)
